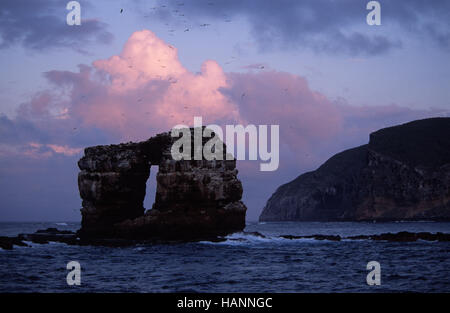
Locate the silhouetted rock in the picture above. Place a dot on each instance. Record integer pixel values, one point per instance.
(44, 236)
(404, 237)
(54, 231)
(7, 243)
(194, 198)
(397, 237)
(402, 174)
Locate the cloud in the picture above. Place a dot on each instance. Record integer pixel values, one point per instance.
(40, 25)
(65, 150)
(306, 118)
(145, 90)
(326, 26)
(36, 150)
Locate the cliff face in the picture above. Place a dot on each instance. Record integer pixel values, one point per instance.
(194, 199)
(403, 173)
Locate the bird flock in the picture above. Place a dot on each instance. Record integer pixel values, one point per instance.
(177, 10)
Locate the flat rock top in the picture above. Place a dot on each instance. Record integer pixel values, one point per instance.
(418, 143)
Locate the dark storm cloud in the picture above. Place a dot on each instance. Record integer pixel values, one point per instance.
(422, 18)
(41, 24)
(325, 25)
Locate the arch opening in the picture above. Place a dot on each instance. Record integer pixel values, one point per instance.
(150, 190)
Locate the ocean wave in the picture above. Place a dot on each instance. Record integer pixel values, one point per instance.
(61, 224)
(31, 244)
(244, 238)
(241, 238)
(57, 243)
(250, 237)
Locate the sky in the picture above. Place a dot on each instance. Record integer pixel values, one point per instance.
(133, 69)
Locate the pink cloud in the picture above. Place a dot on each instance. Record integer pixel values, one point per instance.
(145, 89)
(66, 150)
(37, 150)
(307, 119)
(31, 150)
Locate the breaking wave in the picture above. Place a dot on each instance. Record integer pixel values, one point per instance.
(244, 238)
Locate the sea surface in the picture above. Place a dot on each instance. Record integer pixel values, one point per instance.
(243, 263)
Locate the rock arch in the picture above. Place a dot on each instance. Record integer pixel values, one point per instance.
(194, 199)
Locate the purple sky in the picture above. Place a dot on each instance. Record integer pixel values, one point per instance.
(313, 67)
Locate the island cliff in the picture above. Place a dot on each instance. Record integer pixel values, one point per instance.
(195, 199)
(403, 173)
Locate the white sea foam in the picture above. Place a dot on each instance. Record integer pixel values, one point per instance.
(57, 243)
(244, 238)
(31, 244)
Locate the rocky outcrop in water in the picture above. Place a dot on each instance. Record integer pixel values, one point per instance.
(53, 235)
(194, 198)
(402, 174)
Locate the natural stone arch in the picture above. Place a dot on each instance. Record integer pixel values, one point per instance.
(194, 198)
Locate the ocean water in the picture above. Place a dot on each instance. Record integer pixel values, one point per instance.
(243, 263)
